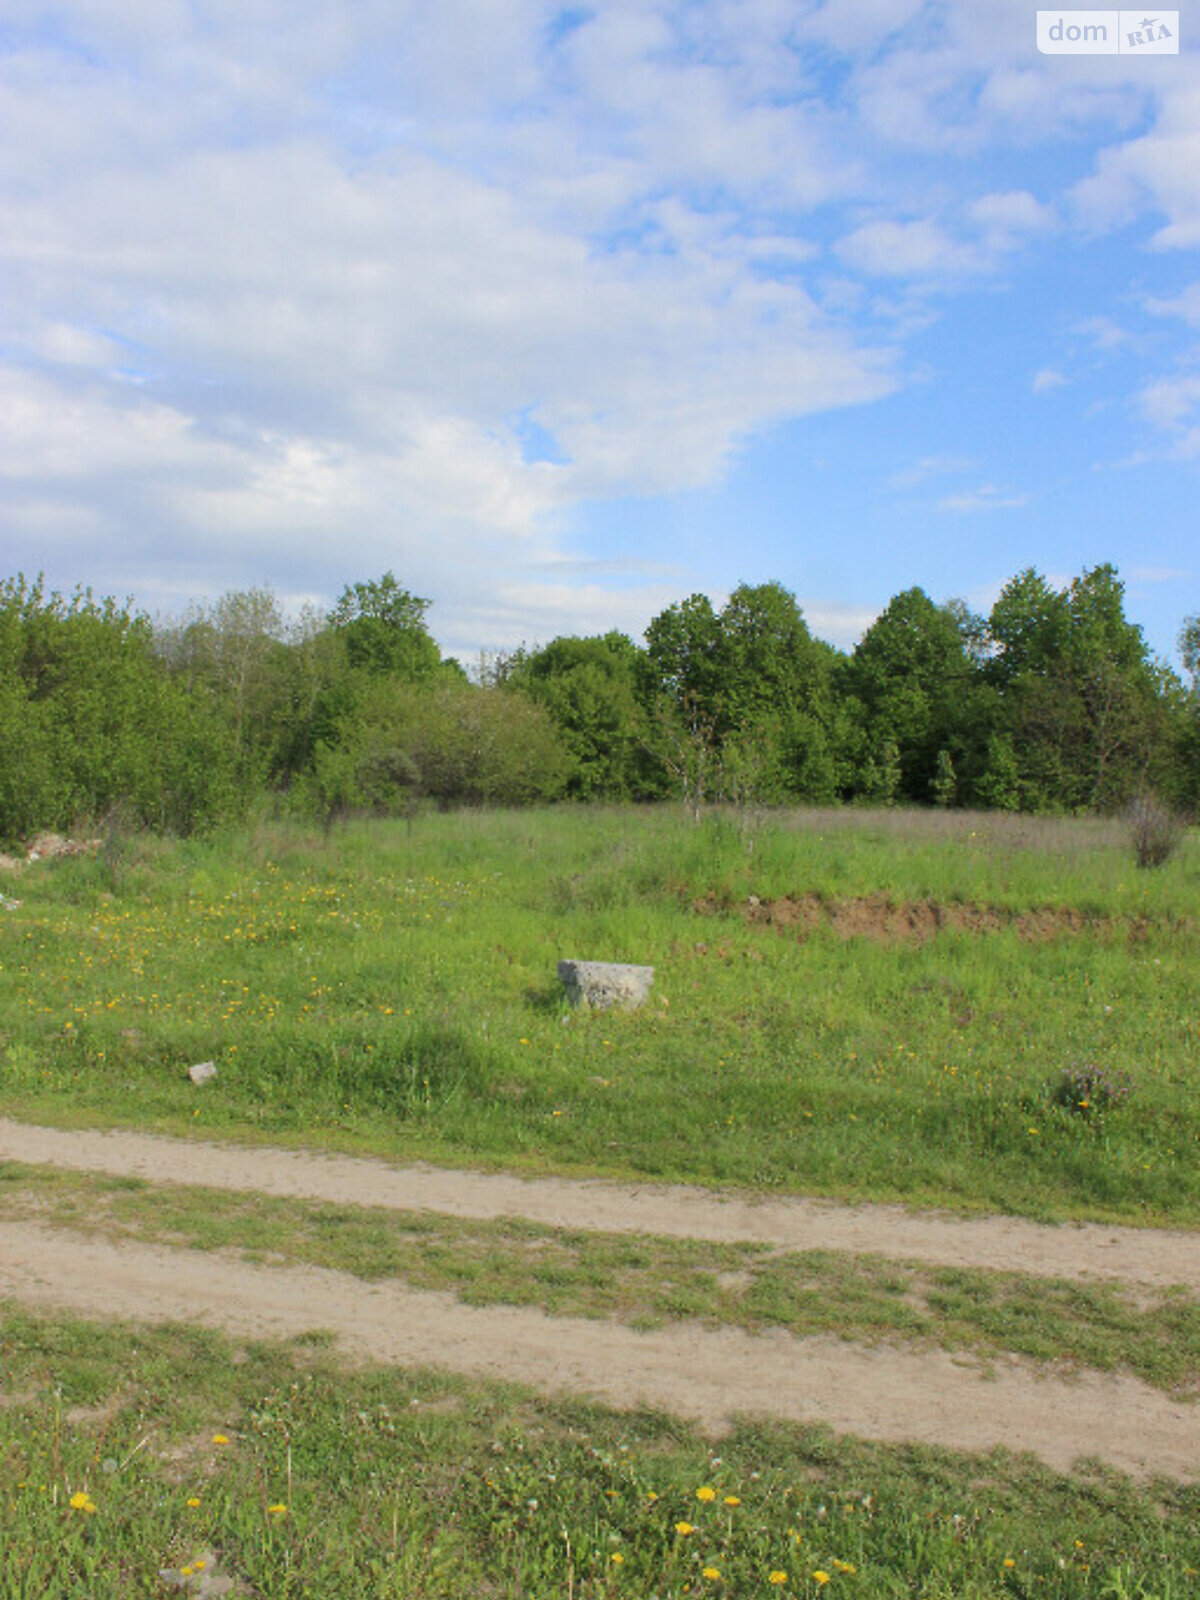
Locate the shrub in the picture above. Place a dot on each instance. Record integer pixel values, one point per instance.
(1090, 1089)
(1154, 830)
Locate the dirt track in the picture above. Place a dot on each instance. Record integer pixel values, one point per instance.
(887, 1393)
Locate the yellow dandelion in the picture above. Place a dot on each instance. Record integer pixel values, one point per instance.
(711, 1573)
(706, 1494)
(187, 1572)
(776, 1577)
(732, 1500)
(200, 1563)
(1008, 1562)
(617, 1558)
(82, 1502)
(220, 1438)
(277, 1510)
(820, 1577)
(844, 1566)
(683, 1528)
(193, 1501)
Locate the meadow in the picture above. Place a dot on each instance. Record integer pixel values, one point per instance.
(158, 1455)
(393, 989)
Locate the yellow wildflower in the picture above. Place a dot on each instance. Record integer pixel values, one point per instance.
(683, 1527)
(843, 1566)
(219, 1438)
(711, 1573)
(616, 1558)
(1008, 1562)
(277, 1510)
(706, 1493)
(820, 1577)
(193, 1501)
(732, 1500)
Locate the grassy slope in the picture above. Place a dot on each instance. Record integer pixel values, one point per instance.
(396, 992)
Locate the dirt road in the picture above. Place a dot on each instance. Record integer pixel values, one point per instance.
(889, 1392)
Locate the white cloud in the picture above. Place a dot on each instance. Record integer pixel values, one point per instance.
(839, 625)
(1004, 218)
(929, 467)
(1158, 172)
(1172, 404)
(1047, 378)
(988, 497)
(988, 230)
(1185, 305)
(1170, 401)
(918, 249)
(1102, 333)
(1158, 574)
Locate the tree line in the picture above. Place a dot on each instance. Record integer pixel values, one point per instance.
(1051, 702)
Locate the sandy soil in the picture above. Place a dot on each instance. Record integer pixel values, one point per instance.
(1156, 1258)
(888, 1393)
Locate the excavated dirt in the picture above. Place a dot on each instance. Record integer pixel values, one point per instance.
(887, 1393)
(886, 921)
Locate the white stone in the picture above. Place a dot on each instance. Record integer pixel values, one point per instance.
(203, 1072)
(601, 984)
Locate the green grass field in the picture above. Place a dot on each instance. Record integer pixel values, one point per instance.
(396, 992)
(152, 1456)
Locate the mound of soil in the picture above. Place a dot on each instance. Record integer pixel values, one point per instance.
(878, 917)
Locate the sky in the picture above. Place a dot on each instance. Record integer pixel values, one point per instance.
(564, 313)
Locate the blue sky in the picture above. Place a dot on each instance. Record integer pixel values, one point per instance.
(565, 313)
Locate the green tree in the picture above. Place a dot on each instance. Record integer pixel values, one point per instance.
(1087, 709)
(237, 648)
(589, 688)
(912, 680)
(752, 673)
(383, 627)
(90, 720)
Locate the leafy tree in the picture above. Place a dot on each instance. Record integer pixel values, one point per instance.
(1086, 706)
(681, 661)
(383, 627)
(89, 719)
(945, 783)
(1189, 650)
(912, 681)
(237, 649)
(755, 671)
(589, 688)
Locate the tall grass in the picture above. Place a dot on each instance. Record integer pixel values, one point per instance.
(395, 990)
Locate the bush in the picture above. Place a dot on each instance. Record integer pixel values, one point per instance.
(1155, 831)
(1090, 1089)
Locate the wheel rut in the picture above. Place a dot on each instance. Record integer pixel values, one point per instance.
(887, 1392)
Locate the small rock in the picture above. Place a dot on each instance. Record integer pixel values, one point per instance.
(203, 1072)
(601, 984)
